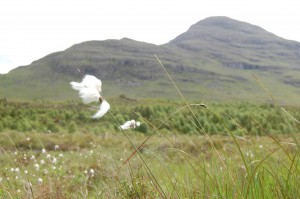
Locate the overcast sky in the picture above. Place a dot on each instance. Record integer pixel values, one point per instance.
(31, 29)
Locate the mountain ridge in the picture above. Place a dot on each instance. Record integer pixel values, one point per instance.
(215, 59)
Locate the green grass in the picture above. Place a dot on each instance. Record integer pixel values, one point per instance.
(91, 166)
(244, 150)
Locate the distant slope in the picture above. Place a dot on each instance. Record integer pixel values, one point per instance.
(239, 45)
(215, 59)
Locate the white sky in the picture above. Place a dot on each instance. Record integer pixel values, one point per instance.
(32, 29)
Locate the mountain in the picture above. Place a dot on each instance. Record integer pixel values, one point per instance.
(215, 59)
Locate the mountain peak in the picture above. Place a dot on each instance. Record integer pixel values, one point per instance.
(222, 29)
(226, 23)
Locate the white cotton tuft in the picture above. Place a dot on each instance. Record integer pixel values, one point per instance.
(89, 88)
(76, 86)
(89, 91)
(130, 124)
(104, 107)
(88, 81)
(89, 95)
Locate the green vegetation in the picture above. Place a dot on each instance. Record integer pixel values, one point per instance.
(169, 116)
(55, 150)
(194, 149)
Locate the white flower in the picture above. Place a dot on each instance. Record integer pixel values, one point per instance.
(44, 151)
(17, 170)
(130, 124)
(56, 147)
(48, 156)
(32, 157)
(26, 172)
(42, 161)
(61, 155)
(12, 169)
(28, 139)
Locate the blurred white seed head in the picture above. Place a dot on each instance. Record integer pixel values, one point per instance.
(40, 180)
(89, 88)
(92, 171)
(88, 81)
(56, 147)
(37, 167)
(104, 107)
(90, 91)
(54, 160)
(132, 124)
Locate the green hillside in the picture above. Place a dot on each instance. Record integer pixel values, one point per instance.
(214, 60)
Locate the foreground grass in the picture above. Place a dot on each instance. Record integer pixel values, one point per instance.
(37, 165)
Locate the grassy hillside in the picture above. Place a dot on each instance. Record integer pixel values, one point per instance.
(214, 60)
